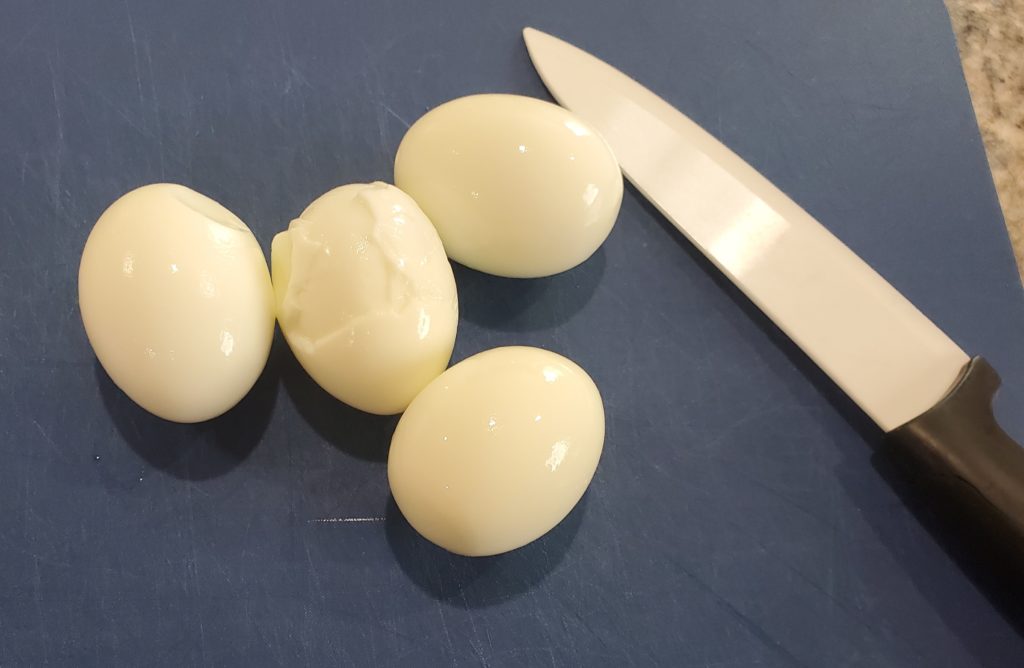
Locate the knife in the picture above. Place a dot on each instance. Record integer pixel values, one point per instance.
(933, 402)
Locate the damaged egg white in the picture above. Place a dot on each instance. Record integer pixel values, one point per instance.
(366, 296)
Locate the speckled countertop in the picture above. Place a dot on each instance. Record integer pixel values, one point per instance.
(990, 34)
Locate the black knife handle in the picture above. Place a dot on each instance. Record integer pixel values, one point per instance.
(967, 463)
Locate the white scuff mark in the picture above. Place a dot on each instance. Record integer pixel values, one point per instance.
(332, 520)
(558, 452)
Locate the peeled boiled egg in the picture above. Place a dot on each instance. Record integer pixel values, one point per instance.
(516, 186)
(365, 296)
(176, 300)
(497, 450)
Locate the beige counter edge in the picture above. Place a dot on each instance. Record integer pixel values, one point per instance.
(990, 35)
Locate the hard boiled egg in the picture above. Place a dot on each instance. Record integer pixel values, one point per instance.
(176, 300)
(497, 450)
(515, 186)
(365, 296)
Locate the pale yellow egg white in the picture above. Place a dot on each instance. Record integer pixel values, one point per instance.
(365, 296)
(516, 186)
(177, 302)
(497, 450)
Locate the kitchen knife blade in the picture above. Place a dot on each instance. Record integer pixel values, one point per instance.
(931, 399)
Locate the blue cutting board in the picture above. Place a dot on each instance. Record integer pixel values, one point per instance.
(738, 517)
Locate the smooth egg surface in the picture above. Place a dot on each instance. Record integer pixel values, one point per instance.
(177, 302)
(497, 450)
(365, 296)
(516, 186)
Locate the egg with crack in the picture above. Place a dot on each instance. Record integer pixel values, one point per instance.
(365, 296)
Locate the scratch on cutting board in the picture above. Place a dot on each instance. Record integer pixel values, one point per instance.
(59, 152)
(332, 520)
(135, 49)
(395, 114)
(43, 433)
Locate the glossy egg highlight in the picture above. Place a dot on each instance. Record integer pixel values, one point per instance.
(516, 186)
(176, 301)
(497, 450)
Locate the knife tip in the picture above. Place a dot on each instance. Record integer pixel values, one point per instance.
(531, 33)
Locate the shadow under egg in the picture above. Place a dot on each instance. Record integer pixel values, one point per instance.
(357, 433)
(478, 582)
(202, 450)
(527, 304)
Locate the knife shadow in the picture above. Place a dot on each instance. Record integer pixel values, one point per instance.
(794, 356)
(478, 582)
(998, 579)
